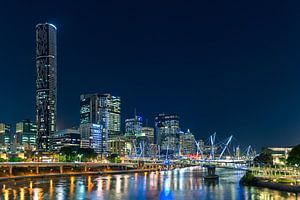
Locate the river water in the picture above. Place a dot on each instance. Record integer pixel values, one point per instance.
(187, 183)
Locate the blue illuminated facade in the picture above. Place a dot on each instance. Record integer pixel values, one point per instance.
(100, 119)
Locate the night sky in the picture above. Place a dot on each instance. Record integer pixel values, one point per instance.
(229, 67)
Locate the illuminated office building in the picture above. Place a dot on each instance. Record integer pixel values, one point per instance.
(26, 134)
(103, 110)
(187, 143)
(133, 126)
(5, 136)
(167, 133)
(66, 138)
(46, 84)
(116, 145)
(148, 132)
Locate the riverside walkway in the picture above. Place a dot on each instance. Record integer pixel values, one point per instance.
(14, 168)
(275, 172)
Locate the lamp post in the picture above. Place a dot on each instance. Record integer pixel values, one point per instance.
(80, 156)
(296, 175)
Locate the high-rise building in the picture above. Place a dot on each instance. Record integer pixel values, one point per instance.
(5, 137)
(149, 134)
(26, 134)
(103, 110)
(167, 133)
(66, 138)
(46, 84)
(133, 126)
(116, 145)
(187, 143)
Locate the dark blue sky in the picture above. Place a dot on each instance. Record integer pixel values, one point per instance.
(229, 67)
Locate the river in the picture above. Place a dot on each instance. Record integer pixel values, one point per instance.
(186, 183)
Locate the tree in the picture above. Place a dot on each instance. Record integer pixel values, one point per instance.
(265, 157)
(114, 158)
(16, 159)
(68, 154)
(294, 156)
(87, 154)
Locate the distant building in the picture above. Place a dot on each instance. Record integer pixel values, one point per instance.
(46, 85)
(116, 145)
(66, 138)
(167, 133)
(103, 110)
(97, 143)
(187, 143)
(133, 126)
(148, 132)
(26, 134)
(279, 153)
(5, 137)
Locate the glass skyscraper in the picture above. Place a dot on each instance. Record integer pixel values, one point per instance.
(46, 84)
(5, 137)
(26, 134)
(167, 133)
(103, 110)
(187, 143)
(133, 126)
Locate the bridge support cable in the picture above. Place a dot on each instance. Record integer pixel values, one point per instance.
(226, 145)
(199, 149)
(212, 143)
(248, 151)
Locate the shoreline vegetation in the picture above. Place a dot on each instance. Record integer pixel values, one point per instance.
(282, 185)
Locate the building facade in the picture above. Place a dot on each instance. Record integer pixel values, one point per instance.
(5, 137)
(278, 153)
(167, 133)
(187, 143)
(46, 84)
(149, 134)
(66, 138)
(133, 126)
(116, 145)
(103, 111)
(26, 134)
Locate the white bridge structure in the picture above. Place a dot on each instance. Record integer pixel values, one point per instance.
(225, 152)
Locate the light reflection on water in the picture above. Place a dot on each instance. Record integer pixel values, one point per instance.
(185, 183)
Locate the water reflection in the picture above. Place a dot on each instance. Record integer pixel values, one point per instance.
(185, 183)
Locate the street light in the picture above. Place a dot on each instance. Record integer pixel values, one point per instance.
(80, 156)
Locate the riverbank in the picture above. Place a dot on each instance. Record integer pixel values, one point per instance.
(278, 186)
(39, 176)
(250, 180)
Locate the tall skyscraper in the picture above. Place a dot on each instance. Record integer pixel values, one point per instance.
(5, 137)
(46, 84)
(103, 110)
(26, 134)
(187, 143)
(133, 126)
(167, 133)
(149, 133)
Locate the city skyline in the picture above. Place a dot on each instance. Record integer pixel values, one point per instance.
(258, 100)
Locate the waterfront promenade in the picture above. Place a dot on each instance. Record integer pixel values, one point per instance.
(20, 170)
